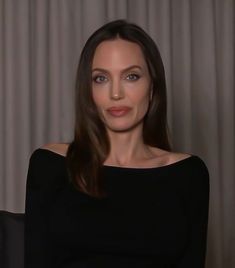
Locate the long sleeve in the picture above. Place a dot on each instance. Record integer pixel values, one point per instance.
(198, 217)
(35, 217)
(46, 176)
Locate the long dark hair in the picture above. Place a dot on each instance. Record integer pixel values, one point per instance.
(90, 147)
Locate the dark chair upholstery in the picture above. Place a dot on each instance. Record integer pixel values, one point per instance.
(11, 240)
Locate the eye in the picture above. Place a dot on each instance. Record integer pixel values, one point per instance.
(99, 79)
(132, 77)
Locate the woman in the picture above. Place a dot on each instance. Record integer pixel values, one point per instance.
(117, 196)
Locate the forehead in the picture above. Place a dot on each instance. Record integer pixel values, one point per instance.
(118, 52)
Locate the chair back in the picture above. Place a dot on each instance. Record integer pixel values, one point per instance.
(11, 240)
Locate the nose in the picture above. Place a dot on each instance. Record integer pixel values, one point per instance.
(116, 91)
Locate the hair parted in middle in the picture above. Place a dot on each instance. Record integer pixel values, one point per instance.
(90, 146)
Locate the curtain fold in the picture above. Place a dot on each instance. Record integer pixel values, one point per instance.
(40, 43)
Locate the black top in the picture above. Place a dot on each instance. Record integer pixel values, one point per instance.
(152, 217)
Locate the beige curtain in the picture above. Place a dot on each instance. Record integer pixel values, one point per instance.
(40, 42)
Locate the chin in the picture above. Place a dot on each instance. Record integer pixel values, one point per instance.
(121, 128)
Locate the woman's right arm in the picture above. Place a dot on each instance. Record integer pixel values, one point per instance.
(36, 207)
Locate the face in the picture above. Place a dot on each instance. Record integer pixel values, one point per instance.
(120, 84)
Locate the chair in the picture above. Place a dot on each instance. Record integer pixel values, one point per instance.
(11, 240)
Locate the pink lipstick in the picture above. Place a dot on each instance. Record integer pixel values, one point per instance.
(118, 111)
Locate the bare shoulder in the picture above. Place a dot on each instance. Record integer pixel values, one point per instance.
(58, 148)
(164, 157)
(177, 156)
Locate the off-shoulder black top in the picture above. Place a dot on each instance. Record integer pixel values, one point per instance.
(152, 217)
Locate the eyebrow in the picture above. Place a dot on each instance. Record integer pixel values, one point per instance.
(123, 71)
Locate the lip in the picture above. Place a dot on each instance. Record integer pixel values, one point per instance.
(118, 111)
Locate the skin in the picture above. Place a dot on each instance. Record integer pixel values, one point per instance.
(121, 82)
(120, 78)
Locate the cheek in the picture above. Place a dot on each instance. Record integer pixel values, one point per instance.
(144, 105)
(100, 94)
(140, 94)
(98, 98)
(141, 101)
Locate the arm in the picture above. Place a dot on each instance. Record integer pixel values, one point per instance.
(35, 215)
(195, 253)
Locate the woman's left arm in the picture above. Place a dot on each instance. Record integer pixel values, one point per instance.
(195, 253)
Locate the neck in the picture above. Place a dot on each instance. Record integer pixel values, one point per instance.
(127, 148)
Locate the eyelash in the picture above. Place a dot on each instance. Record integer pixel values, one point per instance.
(135, 75)
(97, 77)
